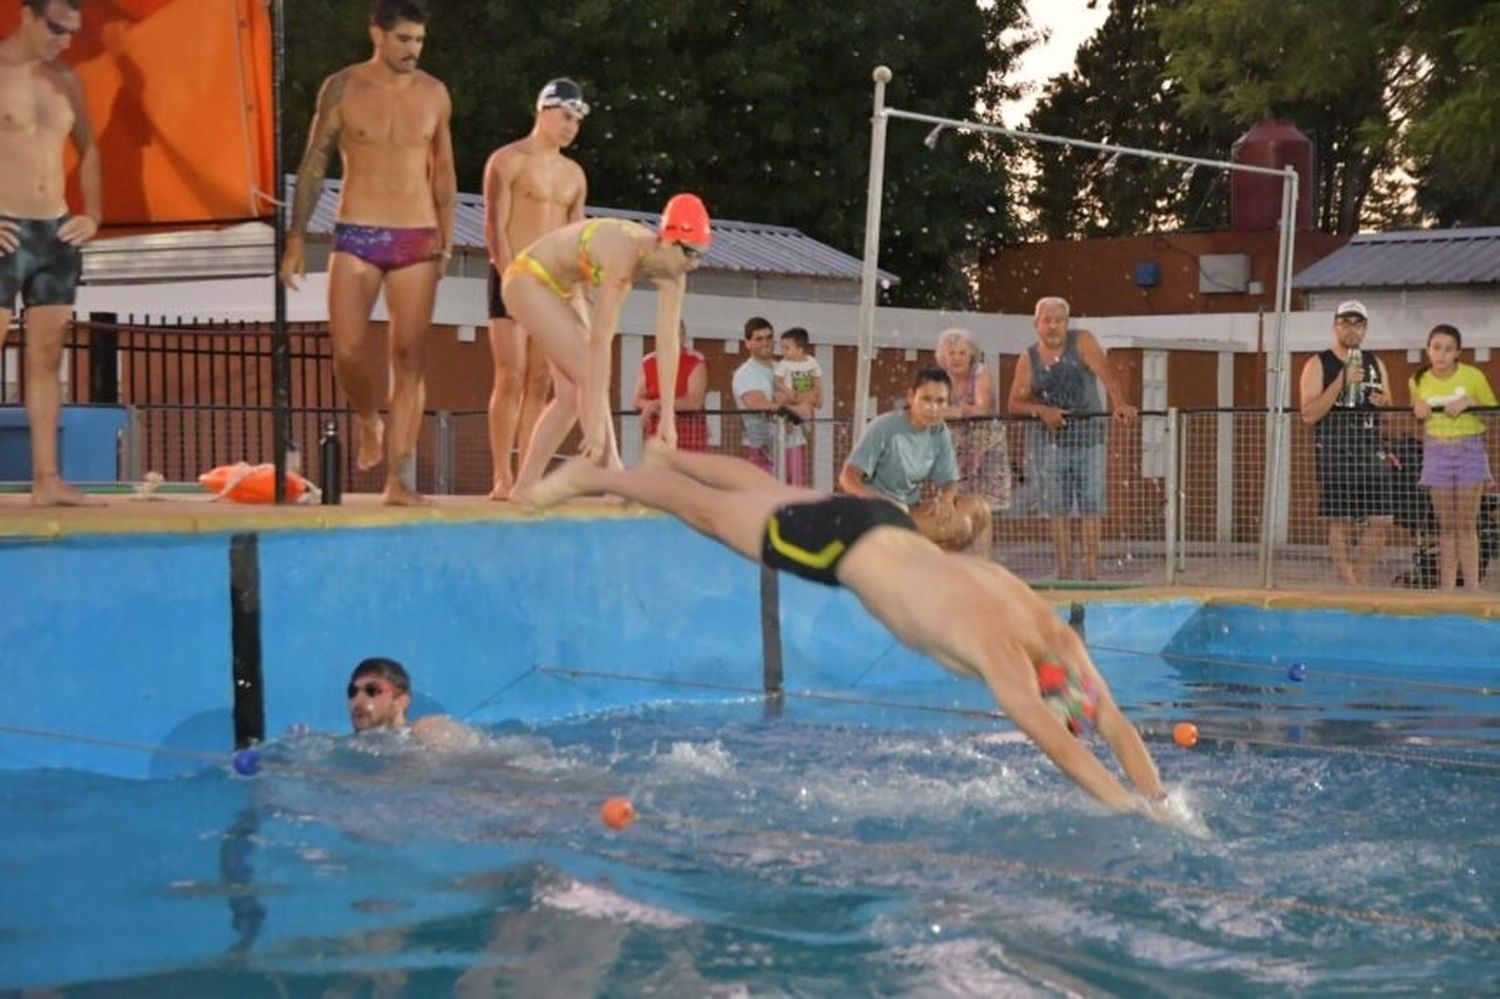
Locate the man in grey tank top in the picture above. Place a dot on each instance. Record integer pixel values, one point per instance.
(1065, 453)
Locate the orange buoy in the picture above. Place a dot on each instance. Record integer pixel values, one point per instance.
(617, 813)
(1185, 734)
(245, 483)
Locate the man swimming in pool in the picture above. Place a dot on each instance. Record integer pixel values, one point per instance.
(969, 614)
(379, 697)
(388, 121)
(542, 288)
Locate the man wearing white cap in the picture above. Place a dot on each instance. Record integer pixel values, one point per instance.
(1342, 389)
(530, 189)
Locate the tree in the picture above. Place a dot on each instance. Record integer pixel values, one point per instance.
(1455, 144)
(1406, 84)
(1119, 93)
(760, 106)
(1332, 67)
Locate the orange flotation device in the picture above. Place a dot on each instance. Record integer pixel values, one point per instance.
(246, 483)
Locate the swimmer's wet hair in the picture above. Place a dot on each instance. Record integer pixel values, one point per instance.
(385, 13)
(385, 669)
(39, 7)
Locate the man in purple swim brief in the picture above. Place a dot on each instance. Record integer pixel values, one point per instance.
(388, 247)
(389, 123)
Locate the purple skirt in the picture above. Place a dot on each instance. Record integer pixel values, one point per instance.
(1451, 462)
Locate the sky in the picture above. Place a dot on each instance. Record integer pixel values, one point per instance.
(1068, 23)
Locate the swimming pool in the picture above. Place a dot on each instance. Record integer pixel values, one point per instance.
(892, 841)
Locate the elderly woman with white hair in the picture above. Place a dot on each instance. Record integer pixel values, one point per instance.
(982, 446)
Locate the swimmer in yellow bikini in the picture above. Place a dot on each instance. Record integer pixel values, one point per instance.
(543, 289)
(969, 614)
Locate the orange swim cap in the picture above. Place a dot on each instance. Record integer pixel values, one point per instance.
(685, 220)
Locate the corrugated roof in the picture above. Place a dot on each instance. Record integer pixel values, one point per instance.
(247, 248)
(738, 247)
(1404, 259)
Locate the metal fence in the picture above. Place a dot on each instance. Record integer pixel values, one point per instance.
(1183, 494)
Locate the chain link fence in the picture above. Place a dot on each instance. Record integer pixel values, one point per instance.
(1182, 494)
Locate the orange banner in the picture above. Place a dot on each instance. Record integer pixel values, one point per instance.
(180, 96)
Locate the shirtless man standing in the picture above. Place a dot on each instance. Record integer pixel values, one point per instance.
(530, 188)
(389, 122)
(41, 107)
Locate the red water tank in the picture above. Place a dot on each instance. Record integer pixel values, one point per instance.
(1255, 199)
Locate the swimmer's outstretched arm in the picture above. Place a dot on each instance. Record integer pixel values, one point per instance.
(1126, 743)
(1117, 730)
(1008, 671)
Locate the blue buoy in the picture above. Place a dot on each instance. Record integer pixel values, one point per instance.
(246, 762)
(1297, 673)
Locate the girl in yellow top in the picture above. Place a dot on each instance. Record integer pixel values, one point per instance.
(1455, 466)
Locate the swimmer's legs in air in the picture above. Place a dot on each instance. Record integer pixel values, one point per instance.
(736, 517)
(719, 471)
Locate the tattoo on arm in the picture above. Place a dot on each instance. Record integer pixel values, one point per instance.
(322, 140)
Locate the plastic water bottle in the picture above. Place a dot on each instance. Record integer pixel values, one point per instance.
(331, 460)
(1354, 392)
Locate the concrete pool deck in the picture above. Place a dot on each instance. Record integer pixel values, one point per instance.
(191, 513)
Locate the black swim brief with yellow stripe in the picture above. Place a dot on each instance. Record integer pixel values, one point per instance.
(810, 539)
(43, 270)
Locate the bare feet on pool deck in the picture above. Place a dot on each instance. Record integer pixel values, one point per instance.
(371, 444)
(501, 493)
(56, 492)
(567, 482)
(398, 495)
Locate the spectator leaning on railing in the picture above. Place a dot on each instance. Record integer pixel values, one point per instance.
(1455, 467)
(982, 446)
(903, 450)
(1055, 380)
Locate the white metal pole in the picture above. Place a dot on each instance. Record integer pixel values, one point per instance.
(1281, 396)
(1062, 140)
(869, 277)
(1173, 484)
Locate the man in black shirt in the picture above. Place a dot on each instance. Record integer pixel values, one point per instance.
(1342, 389)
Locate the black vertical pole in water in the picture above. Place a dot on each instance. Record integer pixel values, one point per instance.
(1075, 619)
(281, 347)
(770, 638)
(244, 640)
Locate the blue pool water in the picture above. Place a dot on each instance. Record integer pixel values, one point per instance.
(827, 848)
